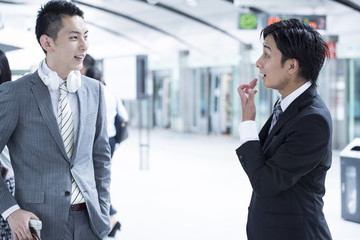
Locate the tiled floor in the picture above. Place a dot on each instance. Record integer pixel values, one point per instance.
(195, 189)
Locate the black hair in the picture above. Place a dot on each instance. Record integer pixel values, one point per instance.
(94, 72)
(89, 61)
(5, 72)
(298, 40)
(49, 18)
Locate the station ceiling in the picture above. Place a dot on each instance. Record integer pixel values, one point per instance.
(160, 27)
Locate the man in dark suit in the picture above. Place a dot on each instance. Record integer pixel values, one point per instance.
(54, 124)
(287, 162)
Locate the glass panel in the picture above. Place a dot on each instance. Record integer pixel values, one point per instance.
(356, 97)
(350, 189)
(194, 97)
(203, 90)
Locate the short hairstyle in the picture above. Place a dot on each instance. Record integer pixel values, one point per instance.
(298, 40)
(49, 18)
(5, 72)
(89, 61)
(93, 72)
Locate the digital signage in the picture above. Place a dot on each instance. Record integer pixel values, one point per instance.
(317, 21)
(252, 20)
(248, 21)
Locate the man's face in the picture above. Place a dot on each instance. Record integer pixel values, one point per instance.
(70, 47)
(269, 64)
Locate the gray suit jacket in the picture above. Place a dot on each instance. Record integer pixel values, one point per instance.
(42, 170)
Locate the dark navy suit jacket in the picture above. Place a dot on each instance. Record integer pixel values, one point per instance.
(287, 170)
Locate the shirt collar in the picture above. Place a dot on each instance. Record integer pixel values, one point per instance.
(292, 96)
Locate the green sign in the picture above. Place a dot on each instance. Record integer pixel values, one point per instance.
(248, 21)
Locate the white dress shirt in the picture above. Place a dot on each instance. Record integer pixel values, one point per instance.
(113, 106)
(73, 101)
(248, 130)
(5, 162)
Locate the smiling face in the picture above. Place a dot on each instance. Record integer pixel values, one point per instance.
(67, 52)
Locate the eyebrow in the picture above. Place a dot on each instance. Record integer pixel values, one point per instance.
(77, 32)
(266, 46)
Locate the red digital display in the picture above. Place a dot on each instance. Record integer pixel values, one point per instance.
(317, 21)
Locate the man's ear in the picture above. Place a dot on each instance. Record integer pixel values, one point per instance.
(293, 66)
(46, 43)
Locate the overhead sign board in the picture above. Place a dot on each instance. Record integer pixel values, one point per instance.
(253, 20)
(317, 21)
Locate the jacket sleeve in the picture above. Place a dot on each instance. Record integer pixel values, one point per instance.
(8, 116)
(296, 152)
(101, 156)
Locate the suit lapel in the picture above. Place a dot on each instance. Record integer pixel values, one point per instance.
(82, 116)
(43, 99)
(264, 131)
(294, 108)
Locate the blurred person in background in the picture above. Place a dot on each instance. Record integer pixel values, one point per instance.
(5, 165)
(287, 161)
(88, 62)
(114, 106)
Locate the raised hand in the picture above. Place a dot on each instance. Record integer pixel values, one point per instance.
(247, 92)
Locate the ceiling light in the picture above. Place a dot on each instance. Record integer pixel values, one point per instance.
(153, 2)
(192, 3)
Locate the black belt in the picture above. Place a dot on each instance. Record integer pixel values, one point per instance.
(78, 207)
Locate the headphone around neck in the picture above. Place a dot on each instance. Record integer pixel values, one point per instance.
(52, 79)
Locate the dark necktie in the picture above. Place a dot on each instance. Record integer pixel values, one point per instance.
(276, 113)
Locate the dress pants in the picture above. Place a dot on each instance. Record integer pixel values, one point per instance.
(78, 227)
(112, 142)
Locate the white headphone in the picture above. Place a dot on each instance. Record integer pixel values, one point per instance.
(51, 80)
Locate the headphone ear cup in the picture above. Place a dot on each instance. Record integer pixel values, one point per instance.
(74, 81)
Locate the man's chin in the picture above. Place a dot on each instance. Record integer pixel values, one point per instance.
(77, 67)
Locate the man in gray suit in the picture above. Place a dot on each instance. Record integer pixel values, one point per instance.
(54, 124)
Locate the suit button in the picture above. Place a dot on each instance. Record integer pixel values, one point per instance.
(67, 193)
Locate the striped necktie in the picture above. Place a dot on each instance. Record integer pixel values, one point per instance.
(276, 114)
(66, 126)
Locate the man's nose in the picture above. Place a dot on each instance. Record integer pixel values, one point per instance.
(83, 44)
(258, 62)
